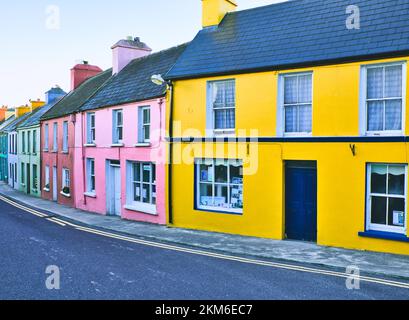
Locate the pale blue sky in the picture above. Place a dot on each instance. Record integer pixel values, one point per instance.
(34, 58)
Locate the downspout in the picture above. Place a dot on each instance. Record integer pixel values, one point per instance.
(83, 159)
(170, 166)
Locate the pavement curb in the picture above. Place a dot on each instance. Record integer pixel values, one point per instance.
(329, 266)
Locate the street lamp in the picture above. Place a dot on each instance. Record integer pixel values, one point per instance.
(158, 79)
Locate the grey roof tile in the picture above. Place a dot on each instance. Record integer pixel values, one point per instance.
(297, 32)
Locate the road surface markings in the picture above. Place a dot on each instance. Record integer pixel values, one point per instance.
(205, 253)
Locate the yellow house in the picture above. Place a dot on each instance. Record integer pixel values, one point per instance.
(289, 122)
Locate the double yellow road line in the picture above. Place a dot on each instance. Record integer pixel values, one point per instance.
(111, 235)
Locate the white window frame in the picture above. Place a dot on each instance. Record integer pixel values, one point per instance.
(144, 126)
(23, 142)
(116, 126)
(34, 141)
(55, 137)
(23, 173)
(46, 137)
(210, 113)
(35, 177)
(131, 204)
(28, 142)
(66, 180)
(47, 178)
(65, 137)
(281, 106)
(363, 100)
(91, 176)
(198, 182)
(378, 227)
(91, 130)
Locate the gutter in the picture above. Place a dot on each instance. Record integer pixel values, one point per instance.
(170, 166)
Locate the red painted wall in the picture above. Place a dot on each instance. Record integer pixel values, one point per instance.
(59, 159)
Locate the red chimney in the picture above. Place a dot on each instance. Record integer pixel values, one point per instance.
(3, 111)
(82, 72)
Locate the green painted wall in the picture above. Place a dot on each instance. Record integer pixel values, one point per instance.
(29, 155)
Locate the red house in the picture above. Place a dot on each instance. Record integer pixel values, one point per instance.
(58, 134)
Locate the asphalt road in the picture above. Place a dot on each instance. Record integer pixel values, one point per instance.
(95, 267)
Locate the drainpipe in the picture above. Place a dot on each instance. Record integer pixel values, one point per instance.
(170, 167)
(83, 159)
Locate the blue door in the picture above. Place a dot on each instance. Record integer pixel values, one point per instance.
(301, 201)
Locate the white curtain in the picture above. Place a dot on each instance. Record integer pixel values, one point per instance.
(375, 83)
(393, 82)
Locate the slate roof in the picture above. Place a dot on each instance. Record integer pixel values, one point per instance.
(14, 124)
(36, 115)
(295, 33)
(73, 101)
(6, 123)
(133, 83)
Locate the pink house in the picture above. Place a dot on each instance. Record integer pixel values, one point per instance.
(120, 138)
(58, 135)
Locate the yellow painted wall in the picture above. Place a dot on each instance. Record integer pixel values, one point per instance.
(214, 11)
(341, 176)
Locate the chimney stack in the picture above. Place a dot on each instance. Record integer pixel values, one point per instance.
(3, 111)
(213, 11)
(124, 51)
(54, 94)
(82, 72)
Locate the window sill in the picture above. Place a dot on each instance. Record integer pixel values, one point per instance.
(46, 190)
(214, 210)
(143, 145)
(65, 194)
(384, 235)
(54, 151)
(64, 152)
(224, 133)
(151, 210)
(117, 145)
(45, 150)
(297, 134)
(90, 194)
(34, 190)
(90, 145)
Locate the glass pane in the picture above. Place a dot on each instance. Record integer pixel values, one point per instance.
(305, 89)
(137, 192)
(291, 119)
(146, 196)
(221, 196)
(393, 82)
(378, 179)
(221, 173)
(219, 92)
(236, 197)
(230, 94)
(225, 118)
(290, 90)
(375, 83)
(393, 115)
(206, 195)
(146, 173)
(236, 174)
(153, 194)
(375, 115)
(153, 173)
(396, 180)
(305, 118)
(396, 213)
(146, 132)
(136, 171)
(378, 210)
(206, 173)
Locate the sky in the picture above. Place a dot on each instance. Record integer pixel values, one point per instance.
(42, 40)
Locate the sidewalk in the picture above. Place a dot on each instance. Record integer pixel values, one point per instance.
(282, 251)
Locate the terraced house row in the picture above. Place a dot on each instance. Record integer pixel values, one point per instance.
(278, 122)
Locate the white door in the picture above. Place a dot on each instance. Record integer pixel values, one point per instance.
(117, 192)
(55, 187)
(114, 190)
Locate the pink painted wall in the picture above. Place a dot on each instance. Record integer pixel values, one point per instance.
(103, 151)
(59, 159)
